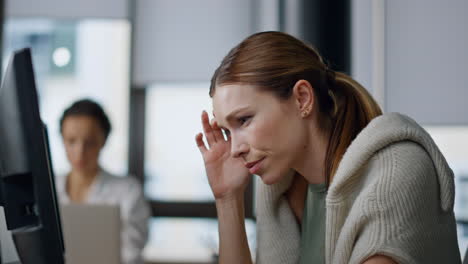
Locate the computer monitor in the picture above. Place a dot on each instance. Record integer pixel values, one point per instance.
(27, 190)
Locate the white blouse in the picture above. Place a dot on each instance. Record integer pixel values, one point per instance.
(126, 192)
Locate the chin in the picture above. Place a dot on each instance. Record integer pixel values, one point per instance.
(270, 179)
(78, 168)
(81, 169)
(275, 175)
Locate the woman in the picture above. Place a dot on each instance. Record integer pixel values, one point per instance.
(342, 183)
(85, 127)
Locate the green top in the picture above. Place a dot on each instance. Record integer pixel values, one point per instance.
(313, 226)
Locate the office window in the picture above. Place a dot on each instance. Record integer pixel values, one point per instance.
(75, 59)
(196, 238)
(175, 177)
(173, 164)
(453, 142)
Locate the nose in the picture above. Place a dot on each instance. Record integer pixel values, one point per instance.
(79, 151)
(238, 148)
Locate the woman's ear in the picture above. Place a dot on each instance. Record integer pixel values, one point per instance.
(304, 97)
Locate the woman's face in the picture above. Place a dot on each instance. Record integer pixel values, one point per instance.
(83, 139)
(267, 133)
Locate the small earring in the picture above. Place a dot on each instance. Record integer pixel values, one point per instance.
(305, 113)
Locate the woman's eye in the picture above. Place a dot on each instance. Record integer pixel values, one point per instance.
(70, 141)
(244, 119)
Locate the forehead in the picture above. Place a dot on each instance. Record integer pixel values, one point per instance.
(232, 96)
(229, 98)
(78, 124)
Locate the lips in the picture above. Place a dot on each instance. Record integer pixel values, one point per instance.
(254, 166)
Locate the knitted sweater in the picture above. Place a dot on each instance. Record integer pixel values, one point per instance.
(392, 194)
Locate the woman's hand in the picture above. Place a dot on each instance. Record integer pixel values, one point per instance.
(227, 175)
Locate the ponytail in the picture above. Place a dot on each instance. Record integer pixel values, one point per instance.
(353, 109)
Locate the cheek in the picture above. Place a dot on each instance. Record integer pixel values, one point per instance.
(69, 150)
(282, 135)
(262, 136)
(92, 152)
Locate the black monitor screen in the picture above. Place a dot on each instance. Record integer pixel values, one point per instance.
(27, 190)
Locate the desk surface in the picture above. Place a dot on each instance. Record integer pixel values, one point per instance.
(170, 255)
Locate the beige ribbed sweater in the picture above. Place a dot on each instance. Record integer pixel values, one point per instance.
(392, 194)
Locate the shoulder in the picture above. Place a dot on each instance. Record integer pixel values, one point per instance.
(403, 165)
(404, 155)
(127, 190)
(60, 182)
(121, 183)
(401, 190)
(403, 176)
(404, 162)
(117, 179)
(399, 164)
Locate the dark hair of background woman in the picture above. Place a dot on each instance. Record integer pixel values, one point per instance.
(90, 108)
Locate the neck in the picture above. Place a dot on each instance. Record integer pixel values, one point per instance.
(82, 178)
(312, 163)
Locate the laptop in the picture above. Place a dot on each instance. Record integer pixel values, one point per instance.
(91, 233)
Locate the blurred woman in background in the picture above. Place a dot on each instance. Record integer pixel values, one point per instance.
(85, 128)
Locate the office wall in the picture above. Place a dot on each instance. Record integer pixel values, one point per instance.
(175, 40)
(361, 42)
(422, 68)
(427, 61)
(266, 15)
(412, 56)
(185, 40)
(67, 8)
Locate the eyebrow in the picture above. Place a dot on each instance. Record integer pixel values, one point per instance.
(230, 116)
